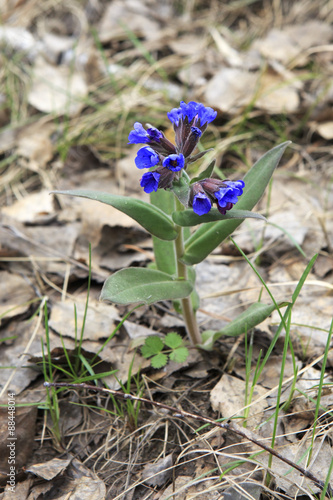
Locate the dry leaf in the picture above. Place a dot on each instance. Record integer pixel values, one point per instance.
(15, 373)
(34, 143)
(288, 478)
(49, 470)
(100, 320)
(231, 89)
(228, 398)
(76, 482)
(122, 15)
(242, 491)
(325, 129)
(57, 89)
(19, 40)
(22, 446)
(15, 293)
(36, 208)
(158, 473)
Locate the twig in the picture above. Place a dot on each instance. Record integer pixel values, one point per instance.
(244, 433)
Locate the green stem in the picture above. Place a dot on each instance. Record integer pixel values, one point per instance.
(187, 309)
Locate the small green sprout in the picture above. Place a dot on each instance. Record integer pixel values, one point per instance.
(157, 349)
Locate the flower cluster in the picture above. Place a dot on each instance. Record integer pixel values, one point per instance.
(168, 160)
(224, 193)
(189, 122)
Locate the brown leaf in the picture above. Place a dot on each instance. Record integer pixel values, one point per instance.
(158, 473)
(57, 89)
(228, 398)
(100, 320)
(20, 446)
(15, 292)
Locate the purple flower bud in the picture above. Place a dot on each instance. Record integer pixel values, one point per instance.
(146, 158)
(149, 181)
(174, 162)
(224, 210)
(154, 134)
(167, 177)
(141, 136)
(196, 131)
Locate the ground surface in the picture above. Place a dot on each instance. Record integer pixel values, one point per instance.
(75, 76)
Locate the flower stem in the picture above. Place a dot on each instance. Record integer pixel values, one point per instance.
(186, 303)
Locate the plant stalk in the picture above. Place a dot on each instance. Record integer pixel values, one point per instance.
(191, 324)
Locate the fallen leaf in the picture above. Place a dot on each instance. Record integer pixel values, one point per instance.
(21, 445)
(288, 478)
(228, 398)
(232, 88)
(34, 143)
(36, 208)
(242, 491)
(158, 473)
(57, 89)
(325, 129)
(100, 318)
(49, 470)
(122, 15)
(15, 374)
(15, 293)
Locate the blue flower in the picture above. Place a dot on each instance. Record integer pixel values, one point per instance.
(223, 193)
(146, 157)
(141, 136)
(201, 204)
(192, 111)
(174, 162)
(175, 115)
(230, 193)
(149, 181)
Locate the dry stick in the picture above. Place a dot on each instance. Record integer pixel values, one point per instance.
(244, 433)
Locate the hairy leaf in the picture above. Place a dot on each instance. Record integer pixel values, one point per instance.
(179, 355)
(154, 220)
(209, 236)
(208, 172)
(250, 318)
(164, 251)
(141, 285)
(153, 345)
(189, 218)
(173, 340)
(159, 360)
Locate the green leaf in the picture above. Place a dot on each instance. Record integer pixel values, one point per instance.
(250, 318)
(181, 189)
(153, 345)
(206, 173)
(159, 360)
(164, 251)
(209, 236)
(179, 355)
(154, 220)
(173, 340)
(141, 285)
(189, 218)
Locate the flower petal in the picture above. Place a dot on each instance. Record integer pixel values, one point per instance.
(201, 204)
(149, 181)
(146, 158)
(174, 162)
